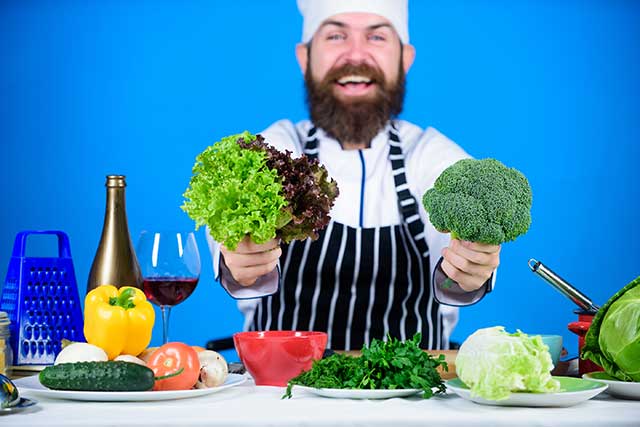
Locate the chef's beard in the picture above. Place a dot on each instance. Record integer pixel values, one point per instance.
(355, 121)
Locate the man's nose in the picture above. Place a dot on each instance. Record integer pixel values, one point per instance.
(356, 50)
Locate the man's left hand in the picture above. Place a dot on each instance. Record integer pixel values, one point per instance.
(470, 264)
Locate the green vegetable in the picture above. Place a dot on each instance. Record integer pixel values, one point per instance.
(306, 186)
(494, 363)
(480, 201)
(390, 364)
(234, 193)
(242, 186)
(98, 376)
(613, 339)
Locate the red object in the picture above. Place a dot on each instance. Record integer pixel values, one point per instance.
(169, 359)
(168, 290)
(274, 357)
(580, 328)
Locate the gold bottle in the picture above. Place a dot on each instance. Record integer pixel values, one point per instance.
(115, 262)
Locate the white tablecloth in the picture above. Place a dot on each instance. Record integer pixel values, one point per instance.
(250, 405)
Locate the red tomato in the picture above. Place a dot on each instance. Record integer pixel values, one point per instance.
(169, 359)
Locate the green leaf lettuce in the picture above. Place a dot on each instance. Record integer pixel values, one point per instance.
(242, 186)
(234, 193)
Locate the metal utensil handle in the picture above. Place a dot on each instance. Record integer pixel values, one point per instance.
(561, 285)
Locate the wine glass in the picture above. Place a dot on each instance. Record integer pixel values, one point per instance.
(170, 267)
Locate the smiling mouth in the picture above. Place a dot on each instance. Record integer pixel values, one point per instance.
(353, 79)
(354, 86)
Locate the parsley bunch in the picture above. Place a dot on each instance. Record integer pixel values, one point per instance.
(390, 364)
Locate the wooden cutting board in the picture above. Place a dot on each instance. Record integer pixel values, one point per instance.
(449, 357)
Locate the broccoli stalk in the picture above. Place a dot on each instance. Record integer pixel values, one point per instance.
(480, 201)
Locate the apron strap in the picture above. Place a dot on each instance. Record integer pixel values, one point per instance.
(310, 148)
(407, 203)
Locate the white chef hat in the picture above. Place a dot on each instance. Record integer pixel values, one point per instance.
(315, 12)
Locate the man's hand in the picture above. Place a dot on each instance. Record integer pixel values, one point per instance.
(250, 261)
(470, 264)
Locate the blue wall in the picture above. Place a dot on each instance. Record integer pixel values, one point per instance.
(90, 88)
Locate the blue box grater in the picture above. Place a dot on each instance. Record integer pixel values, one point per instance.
(40, 296)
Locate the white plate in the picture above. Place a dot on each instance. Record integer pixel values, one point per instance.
(572, 391)
(349, 393)
(32, 386)
(617, 388)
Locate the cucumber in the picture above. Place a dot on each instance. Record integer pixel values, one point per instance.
(98, 376)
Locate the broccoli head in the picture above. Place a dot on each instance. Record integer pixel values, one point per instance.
(480, 201)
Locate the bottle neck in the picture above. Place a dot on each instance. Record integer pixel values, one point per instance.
(116, 213)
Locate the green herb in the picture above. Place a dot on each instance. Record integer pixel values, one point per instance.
(390, 364)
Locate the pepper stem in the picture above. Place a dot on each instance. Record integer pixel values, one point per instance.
(124, 299)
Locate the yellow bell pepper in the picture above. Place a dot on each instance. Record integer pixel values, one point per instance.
(118, 320)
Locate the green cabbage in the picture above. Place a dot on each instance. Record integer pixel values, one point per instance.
(613, 340)
(494, 363)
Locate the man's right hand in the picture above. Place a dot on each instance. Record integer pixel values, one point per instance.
(250, 261)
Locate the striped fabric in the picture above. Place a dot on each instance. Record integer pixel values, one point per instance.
(407, 203)
(358, 283)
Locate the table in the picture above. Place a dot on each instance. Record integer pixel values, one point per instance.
(251, 405)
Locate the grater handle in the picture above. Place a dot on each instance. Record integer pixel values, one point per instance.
(19, 246)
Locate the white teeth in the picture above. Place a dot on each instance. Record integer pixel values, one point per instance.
(354, 79)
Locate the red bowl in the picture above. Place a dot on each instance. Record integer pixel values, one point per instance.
(274, 357)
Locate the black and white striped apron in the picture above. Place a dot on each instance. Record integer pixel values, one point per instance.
(358, 283)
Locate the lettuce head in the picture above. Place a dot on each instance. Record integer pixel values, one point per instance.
(242, 186)
(613, 339)
(494, 363)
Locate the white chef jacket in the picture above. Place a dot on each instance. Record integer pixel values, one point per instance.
(427, 153)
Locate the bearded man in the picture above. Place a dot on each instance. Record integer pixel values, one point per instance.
(378, 267)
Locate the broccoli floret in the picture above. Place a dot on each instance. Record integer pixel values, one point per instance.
(480, 201)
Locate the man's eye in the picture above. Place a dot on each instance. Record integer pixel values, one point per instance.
(377, 38)
(335, 37)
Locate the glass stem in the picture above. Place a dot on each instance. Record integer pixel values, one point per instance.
(166, 311)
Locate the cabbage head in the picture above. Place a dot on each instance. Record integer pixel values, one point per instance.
(494, 363)
(613, 339)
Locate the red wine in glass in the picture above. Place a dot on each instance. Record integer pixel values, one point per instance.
(168, 290)
(170, 266)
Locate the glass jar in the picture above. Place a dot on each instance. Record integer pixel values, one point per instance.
(6, 354)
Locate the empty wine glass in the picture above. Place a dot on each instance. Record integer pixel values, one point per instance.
(170, 267)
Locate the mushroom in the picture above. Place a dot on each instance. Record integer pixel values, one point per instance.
(213, 369)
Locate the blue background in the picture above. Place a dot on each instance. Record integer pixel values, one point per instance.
(90, 88)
